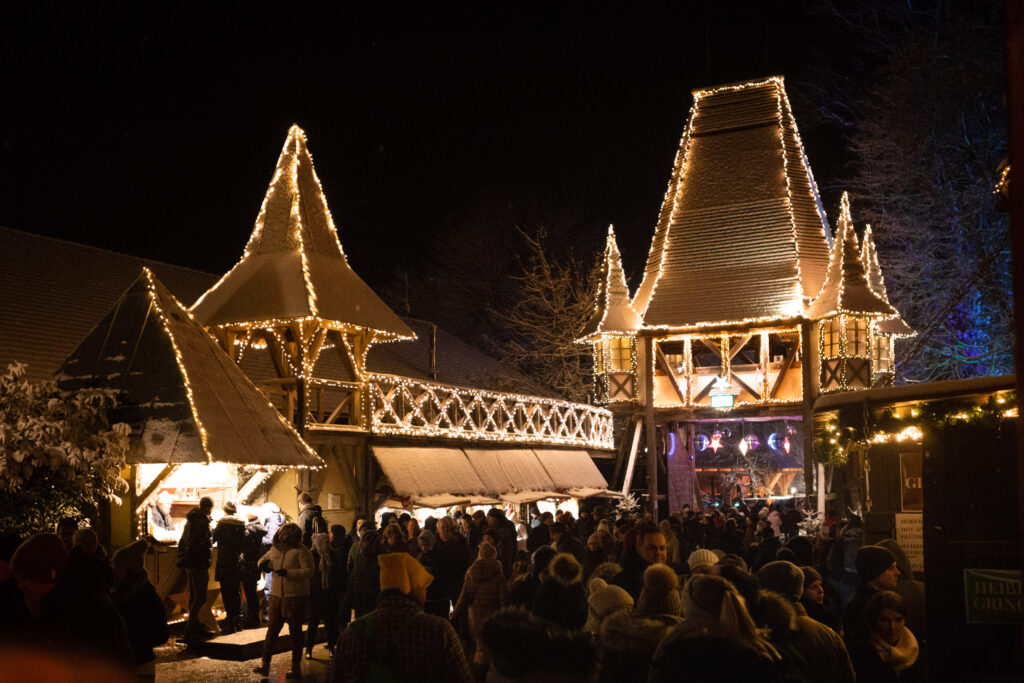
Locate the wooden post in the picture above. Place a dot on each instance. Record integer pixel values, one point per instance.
(651, 429)
(809, 372)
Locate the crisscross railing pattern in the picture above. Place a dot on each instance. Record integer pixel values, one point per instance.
(399, 405)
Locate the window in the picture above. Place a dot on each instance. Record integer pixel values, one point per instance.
(856, 337)
(880, 355)
(619, 352)
(830, 330)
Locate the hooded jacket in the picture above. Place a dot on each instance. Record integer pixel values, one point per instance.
(195, 546)
(483, 592)
(298, 561)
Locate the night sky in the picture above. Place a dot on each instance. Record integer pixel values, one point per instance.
(156, 134)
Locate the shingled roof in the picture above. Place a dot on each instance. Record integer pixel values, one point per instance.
(892, 327)
(741, 236)
(185, 399)
(294, 266)
(846, 288)
(613, 312)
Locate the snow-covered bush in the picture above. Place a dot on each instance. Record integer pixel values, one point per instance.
(59, 456)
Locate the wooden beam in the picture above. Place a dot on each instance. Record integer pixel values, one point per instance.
(255, 481)
(140, 500)
(663, 363)
(631, 464)
(786, 365)
(334, 415)
(704, 392)
(746, 387)
(739, 345)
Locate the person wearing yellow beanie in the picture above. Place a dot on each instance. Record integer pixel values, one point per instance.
(416, 646)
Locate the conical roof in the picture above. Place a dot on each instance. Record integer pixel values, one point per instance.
(613, 312)
(185, 399)
(846, 288)
(741, 237)
(293, 266)
(895, 326)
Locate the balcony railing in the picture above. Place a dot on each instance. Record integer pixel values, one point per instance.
(400, 405)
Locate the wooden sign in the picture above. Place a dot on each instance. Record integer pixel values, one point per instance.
(912, 495)
(992, 596)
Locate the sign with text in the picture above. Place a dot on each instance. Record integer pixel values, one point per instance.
(912, 495)
(993, 596)
(910, 536)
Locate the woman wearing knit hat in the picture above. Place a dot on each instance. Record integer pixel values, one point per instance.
(292, 564)
(603, 601)
(140, 606)
(660, 594)
(701, 561)
(561, 598)
(717, 634)
(815, 601)
(483, 594)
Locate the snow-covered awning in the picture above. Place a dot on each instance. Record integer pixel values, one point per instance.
(418, 472)
(438, 477)
(570, 469)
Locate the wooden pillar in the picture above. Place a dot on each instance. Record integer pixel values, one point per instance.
(809, 371)
(650, 428)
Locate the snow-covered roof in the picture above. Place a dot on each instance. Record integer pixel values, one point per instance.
(185, 399)
(891, 327)
(741, 237)
(846, 288)
(613, 312)
(294, 266)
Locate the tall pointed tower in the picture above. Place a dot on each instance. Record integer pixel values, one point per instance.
(294, 294)
(612, 329)
(846, 310)
(884, 332)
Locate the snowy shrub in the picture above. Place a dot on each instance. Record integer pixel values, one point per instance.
(59, 456)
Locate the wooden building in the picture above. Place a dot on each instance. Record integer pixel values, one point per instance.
(748, 310)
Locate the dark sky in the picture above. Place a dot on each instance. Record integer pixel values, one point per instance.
(156, 134)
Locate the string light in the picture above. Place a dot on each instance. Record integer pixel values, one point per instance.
(542, 420)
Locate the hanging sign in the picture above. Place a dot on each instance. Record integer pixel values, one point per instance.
(911, 493)
(992, 596)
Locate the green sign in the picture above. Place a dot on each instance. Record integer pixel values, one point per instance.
(993, 596)
(722, 401)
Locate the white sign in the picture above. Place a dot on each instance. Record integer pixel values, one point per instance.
(910, 536)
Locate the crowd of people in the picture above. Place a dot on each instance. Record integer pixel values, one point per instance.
(481, 597)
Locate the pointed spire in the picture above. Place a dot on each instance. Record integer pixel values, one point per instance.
(613, 312)
(895, 326)
(846, 288)
(293, 265)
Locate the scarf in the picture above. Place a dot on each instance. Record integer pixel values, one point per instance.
(900, 656)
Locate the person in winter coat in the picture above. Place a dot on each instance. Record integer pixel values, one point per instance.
(454, 557)
(311, 519)
(272, 520)
(139, 605)
(429, 557)
(229, 535)
(323, 601)
(398, 641)
(716, 633)
(885, 649)
(364, 578)
(483, 594)
(64, 617)
(876, 571)
(660, 594)
(842, 560)
(505, 531)
(252, 550)
(88, 563)
(339, 549)
(820, 647)
(626, 644)
(814, 600)
(912, 591)
(561, 598)
(292, 565)
(523, 590)
(651, 548)
(394, 539)
(603, 601)
(564, 542)
(195, 554)
(775, 616)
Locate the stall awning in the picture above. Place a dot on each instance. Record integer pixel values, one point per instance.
(509, 470)
(571, 469)
(417, 472)
(439, 477)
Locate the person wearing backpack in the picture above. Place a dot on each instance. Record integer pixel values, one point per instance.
(398, 641)
(311, 519)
